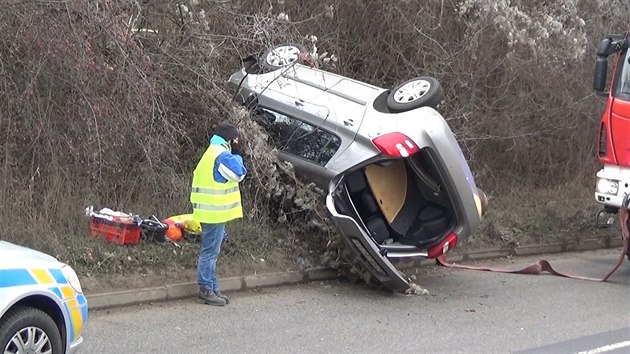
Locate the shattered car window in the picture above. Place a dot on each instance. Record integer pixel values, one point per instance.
(298, 138)
(313, 144)
(278, 126)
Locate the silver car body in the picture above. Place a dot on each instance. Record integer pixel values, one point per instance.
(356, 113)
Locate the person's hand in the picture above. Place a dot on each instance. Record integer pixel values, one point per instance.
(236, 148)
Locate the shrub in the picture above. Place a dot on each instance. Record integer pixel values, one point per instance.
(112, 102)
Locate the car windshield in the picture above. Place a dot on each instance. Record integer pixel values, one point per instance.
(622, 82)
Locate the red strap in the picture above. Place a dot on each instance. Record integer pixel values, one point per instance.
(544, 266)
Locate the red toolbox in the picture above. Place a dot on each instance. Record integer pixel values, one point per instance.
(122, 232)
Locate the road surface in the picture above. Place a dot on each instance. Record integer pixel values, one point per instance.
(466, 312)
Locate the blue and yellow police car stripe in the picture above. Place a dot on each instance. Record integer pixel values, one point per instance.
(15, 277)
(74, 303)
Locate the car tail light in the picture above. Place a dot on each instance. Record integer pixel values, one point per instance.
(449, 242)
(396, 145)
(602, 141)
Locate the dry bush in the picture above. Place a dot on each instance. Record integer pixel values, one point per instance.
(516, 74)
(112, 102)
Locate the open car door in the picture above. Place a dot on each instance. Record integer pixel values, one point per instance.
(340, 206)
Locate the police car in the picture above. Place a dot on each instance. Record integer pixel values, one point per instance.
(42, 306)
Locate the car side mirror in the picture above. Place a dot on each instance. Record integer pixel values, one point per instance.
(603, 50)
(248, 62)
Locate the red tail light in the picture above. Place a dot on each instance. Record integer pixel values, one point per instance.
(396, 145)
(448, 243)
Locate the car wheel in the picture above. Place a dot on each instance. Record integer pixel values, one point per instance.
(29, 330)
(422, 91)
(281, 55)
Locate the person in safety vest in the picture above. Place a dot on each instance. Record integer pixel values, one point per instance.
(216, 199)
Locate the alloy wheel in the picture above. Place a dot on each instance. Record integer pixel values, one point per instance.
(29, 340)
(283, 55)
(412, 91)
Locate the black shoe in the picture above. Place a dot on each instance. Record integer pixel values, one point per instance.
(210, 298)
(227, 299)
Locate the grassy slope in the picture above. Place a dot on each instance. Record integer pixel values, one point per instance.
(521, 217)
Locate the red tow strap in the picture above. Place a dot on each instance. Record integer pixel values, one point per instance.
(544, 266)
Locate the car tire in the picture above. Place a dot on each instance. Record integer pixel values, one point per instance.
(280, 56)
(424, 91)
(30, 323)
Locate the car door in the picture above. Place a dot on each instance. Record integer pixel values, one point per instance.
(307, 147)
(357, 238)
(311, 95)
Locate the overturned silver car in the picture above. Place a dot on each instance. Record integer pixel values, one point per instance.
(398, 184)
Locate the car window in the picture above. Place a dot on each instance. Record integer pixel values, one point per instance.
(298, 138)
(278, 126)
(622, 82)
(312, 143)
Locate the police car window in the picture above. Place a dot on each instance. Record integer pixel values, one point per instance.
(312, 143)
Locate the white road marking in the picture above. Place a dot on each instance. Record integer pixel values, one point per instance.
(607, 348)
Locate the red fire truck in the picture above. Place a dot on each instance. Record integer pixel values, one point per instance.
(613, 180)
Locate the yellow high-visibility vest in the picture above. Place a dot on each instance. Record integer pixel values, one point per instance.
(214, 202)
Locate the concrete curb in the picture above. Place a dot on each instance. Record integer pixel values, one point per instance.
(184, 290)
(249, 282)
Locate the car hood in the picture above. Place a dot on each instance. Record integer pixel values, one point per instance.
(9, 251)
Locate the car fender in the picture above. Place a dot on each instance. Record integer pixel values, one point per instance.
(72, 305)
(12, 295)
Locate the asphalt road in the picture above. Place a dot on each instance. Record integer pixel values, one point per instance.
(466, 312)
